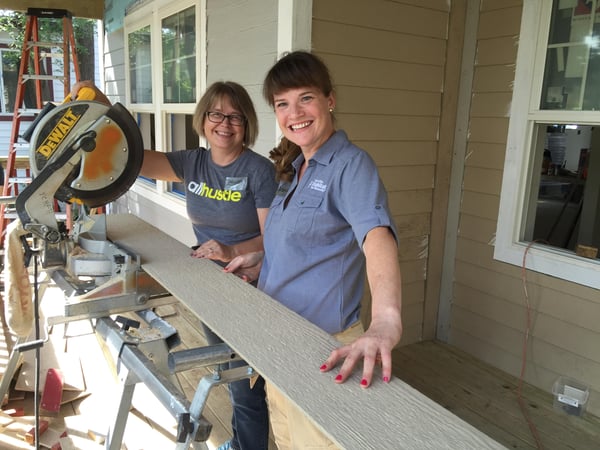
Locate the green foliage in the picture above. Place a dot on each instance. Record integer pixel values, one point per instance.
(51, 30)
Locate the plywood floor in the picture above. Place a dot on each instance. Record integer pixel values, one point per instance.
(477, 393)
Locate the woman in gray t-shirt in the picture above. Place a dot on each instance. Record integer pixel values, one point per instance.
(228, 191)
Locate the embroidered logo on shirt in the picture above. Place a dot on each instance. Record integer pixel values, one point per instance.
(317, 185)
(202, 190)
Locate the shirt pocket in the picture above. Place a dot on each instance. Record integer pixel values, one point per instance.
(305, 223)
(236, 183)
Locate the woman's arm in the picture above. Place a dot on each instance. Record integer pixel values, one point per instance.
(215, 250)
(385, 330)
(157, 166)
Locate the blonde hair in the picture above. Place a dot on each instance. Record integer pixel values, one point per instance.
(240, 100)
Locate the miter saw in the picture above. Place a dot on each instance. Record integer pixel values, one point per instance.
(88, 153)
(85, 153)
(82, 152)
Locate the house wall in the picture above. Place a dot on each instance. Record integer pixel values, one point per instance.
(241, 46)
(488, 315)
(388, 65)
(393, 64)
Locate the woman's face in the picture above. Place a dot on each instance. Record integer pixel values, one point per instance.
(224, 136)
(304, 117)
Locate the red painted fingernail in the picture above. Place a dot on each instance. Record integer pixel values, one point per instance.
(338, 378)
(386, 379)
(363, 382)
(323, 367)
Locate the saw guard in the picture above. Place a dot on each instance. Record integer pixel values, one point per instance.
(104, 172)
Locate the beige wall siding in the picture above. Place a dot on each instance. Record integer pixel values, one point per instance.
(489, 304)
(242, 45)
(388, 62)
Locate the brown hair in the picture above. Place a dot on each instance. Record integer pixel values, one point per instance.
(295, 70)
(283, 155)
(240, 100)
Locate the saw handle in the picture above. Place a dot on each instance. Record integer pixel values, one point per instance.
(84, 94)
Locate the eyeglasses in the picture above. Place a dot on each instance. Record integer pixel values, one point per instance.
(217, 117)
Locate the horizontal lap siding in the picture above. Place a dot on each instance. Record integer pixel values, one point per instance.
(489, 304)
(387, 61)
(242, 45)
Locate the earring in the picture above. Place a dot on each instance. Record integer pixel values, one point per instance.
(330, 110)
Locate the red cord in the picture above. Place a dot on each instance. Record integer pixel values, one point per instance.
(522, 405)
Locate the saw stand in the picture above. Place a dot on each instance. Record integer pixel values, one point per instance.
(145, 358)
(141, 354)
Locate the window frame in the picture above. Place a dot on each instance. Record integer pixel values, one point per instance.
(152, 14)
(524, 115)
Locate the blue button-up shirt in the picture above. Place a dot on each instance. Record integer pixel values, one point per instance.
(314, 233)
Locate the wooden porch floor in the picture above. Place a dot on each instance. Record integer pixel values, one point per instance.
(474, 391)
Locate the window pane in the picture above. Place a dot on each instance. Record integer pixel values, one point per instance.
(179, 57)
(140, 69)
(11, 61)
(11, 64)
(563, 210)
(181, 136)
(147, 128)
(571, 75)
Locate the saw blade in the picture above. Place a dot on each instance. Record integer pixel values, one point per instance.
(110, 159)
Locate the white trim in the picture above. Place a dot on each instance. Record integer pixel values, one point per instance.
(509, 244)
(167, 200)
(458, 168)
(294, 30)
(294, 25)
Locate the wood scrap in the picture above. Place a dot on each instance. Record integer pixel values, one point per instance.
(5, 420)
(14, 412)
(30, 435)
(53, 390)
(51, 357)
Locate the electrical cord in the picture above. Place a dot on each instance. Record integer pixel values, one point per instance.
(520, 399)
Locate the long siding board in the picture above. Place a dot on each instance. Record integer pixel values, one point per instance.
(287, 350)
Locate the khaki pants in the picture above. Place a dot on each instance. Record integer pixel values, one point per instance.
(292, 429)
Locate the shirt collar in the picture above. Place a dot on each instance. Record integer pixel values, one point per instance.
(327, 151)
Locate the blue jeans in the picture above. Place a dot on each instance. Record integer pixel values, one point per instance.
(250, 419)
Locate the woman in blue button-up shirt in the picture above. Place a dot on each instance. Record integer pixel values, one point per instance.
(330, 218)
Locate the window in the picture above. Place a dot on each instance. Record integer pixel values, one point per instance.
(554, 144)
(181, 135)
(9, 72)
(179, 57)
(140, 65)
(163, 81)
(9, 80)
(146, 124)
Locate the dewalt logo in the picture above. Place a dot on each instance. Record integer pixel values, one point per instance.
(58, 133)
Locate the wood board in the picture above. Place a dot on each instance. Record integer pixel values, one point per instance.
(287, 351)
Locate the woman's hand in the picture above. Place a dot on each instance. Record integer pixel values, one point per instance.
(373, 347)
(385, 331)
(98, 94)
(213, 250)
(247, 266)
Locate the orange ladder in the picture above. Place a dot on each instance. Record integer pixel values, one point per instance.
(38, 53)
